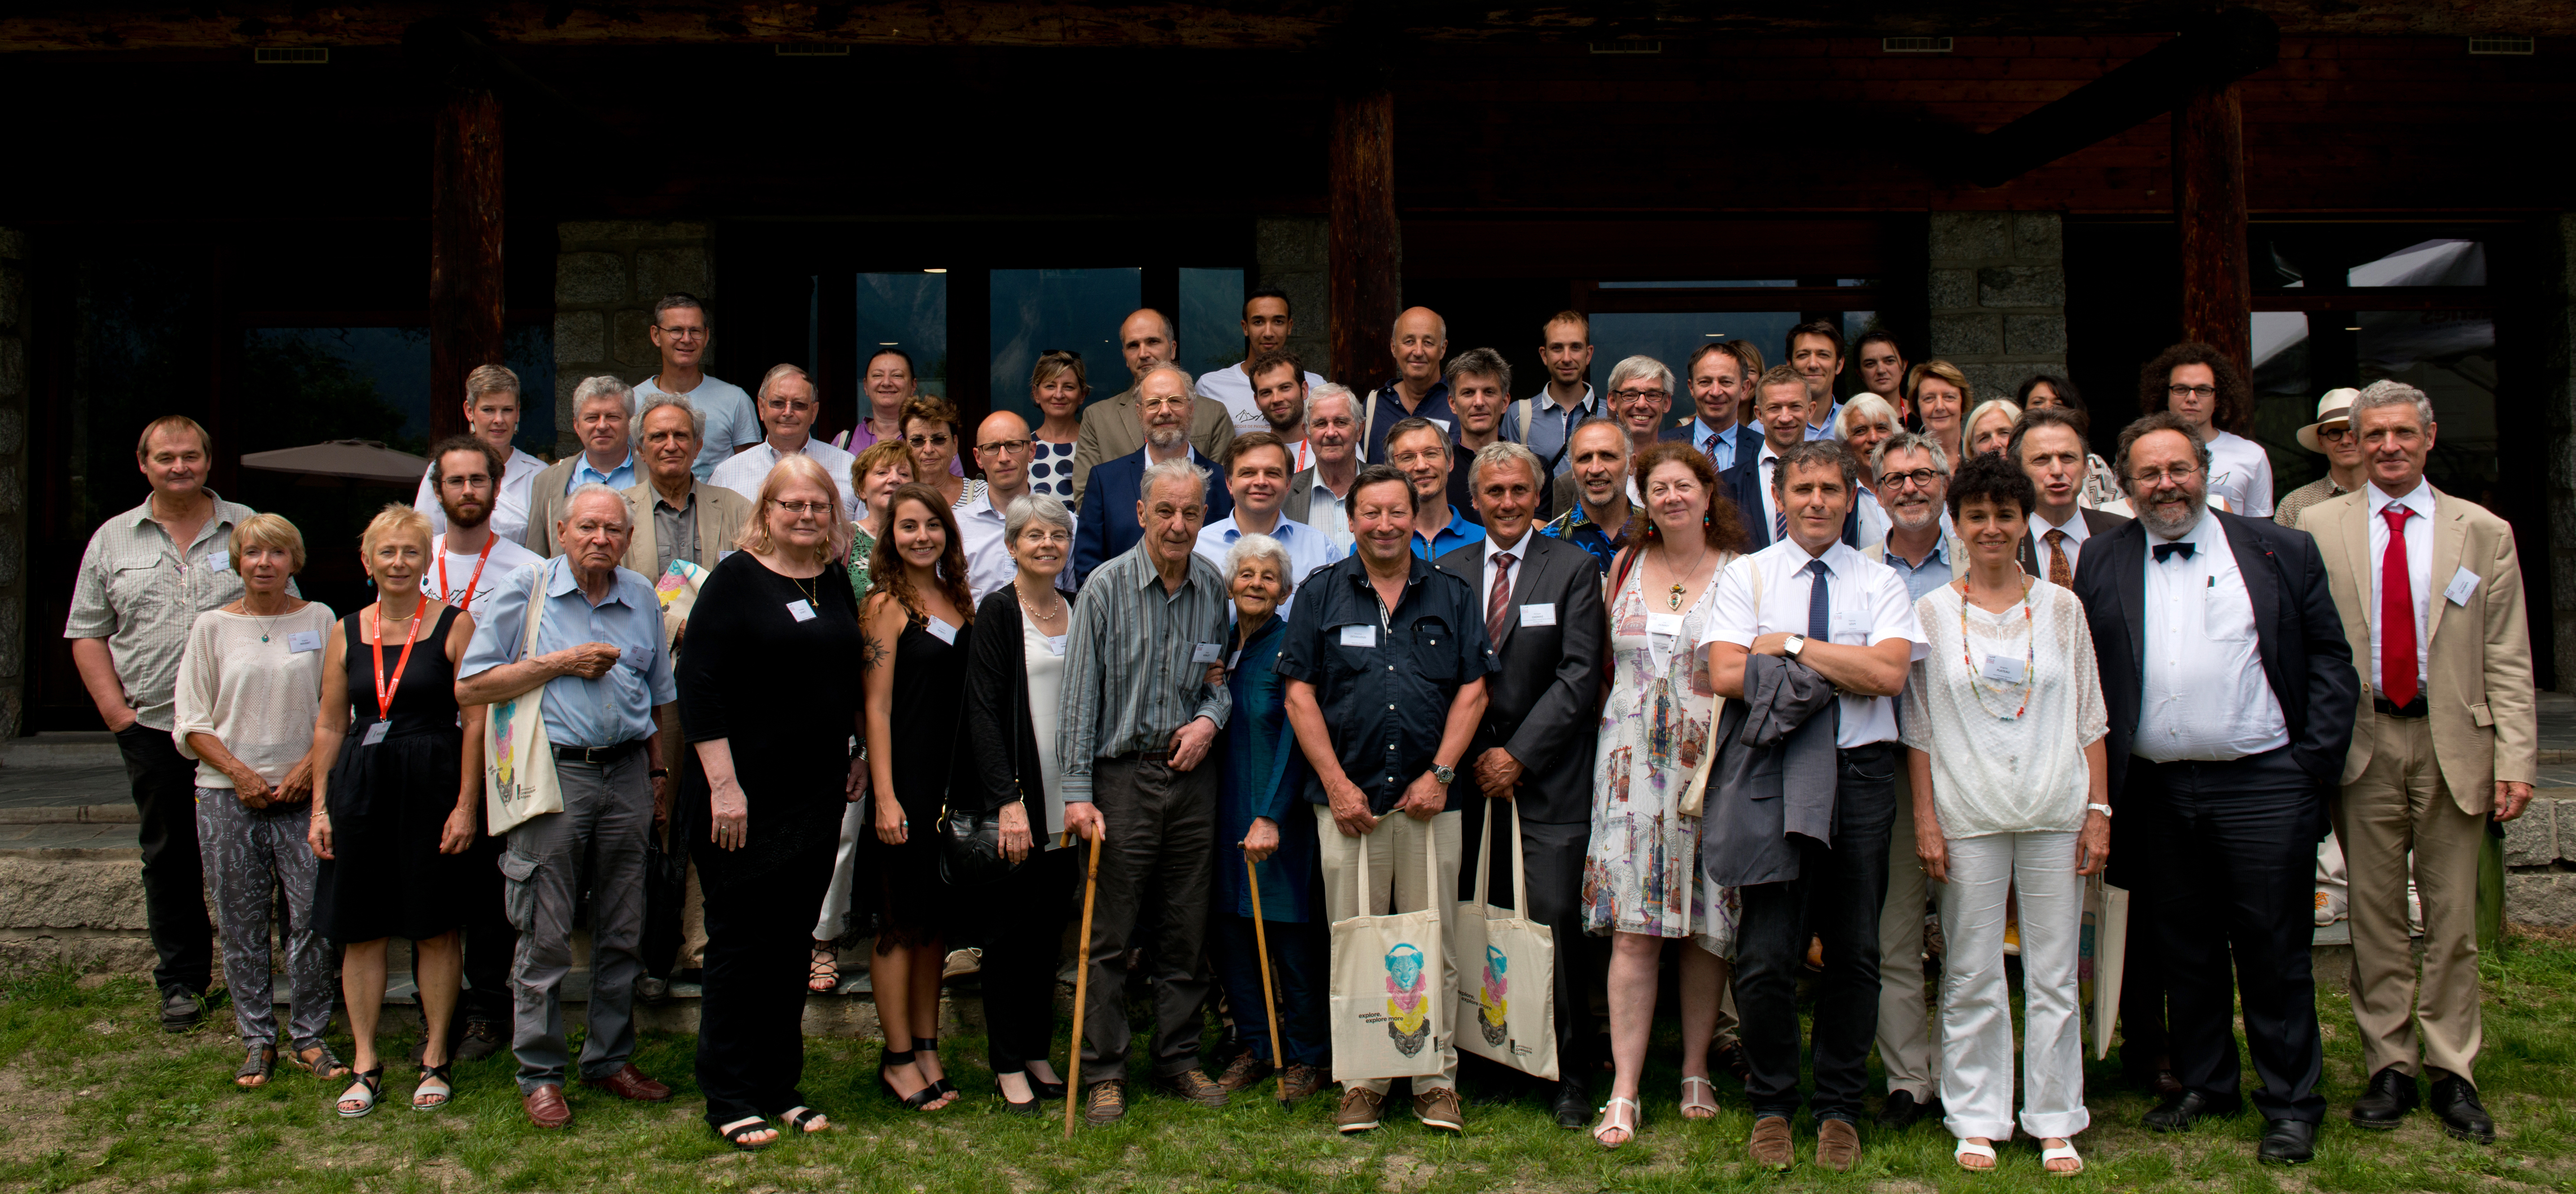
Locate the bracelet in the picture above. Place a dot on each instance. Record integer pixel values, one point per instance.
(658, 773)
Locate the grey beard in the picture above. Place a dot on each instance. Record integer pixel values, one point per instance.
(1931, 515)
(2174, 529)
(1164, 438)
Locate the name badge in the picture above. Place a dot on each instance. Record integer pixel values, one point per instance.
(1664, 625)
(302, 641)
(1359, 636)
(1055, 644)
(2003, 669)
(943, 631)
(1206, 652)
(720, 556)
(2464, 583)
(1848, 629)
(801, 610)
(1541, 614)
(220, 561)
(375, 733)
(1232, 660)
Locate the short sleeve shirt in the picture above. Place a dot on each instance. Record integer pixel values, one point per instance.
(142, 593)
(731, 423)
(1385, 678)
(1866, 604)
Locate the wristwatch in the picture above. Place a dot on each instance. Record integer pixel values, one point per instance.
(1796, 643)
(2103, 809)
(1442, 775)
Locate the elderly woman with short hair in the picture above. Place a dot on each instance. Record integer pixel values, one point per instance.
(1866, 422)
(250, 689)
(1990, 426)
(932, 429)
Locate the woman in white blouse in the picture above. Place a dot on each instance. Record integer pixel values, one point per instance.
(250, 684)
(2003, 727)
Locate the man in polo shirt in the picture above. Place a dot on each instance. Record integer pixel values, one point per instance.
(1420, 342)
(1597, 520)
(1420, 449)
(1315, 493)
(598, 617)
(1816, 352)
(787, 409)
(1545, 421)
(1256, 473)
(144, 578)
(1384, 648)
(682, 334)
(492, 414)
(1266, 328)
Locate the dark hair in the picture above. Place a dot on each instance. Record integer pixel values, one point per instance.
(1484, 362)
(1989, 476)
(1706, 348)
(1273, 359)
(2065, 390)
(888, 350)
(465, 443)
(1567, 316)
(1256, 439)
(1814, 327)
(1813, 452)
(886, 572)
(1269, 292)
(1877, 336)
(2146, 425)
(1722, 528)
(2234, 404)
(1378, 474)
(929, 408)
(2044, 417)
(678, 299)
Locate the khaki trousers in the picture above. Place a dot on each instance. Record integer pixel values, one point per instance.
(1397, 884)
(1904, 1020)
(2400, 804)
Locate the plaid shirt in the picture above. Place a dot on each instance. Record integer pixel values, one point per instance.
(1577, 528)
(1129, 679)
(141, 592)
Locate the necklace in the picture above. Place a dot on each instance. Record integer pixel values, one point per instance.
(813, 596)
(1032, 612)
(2029, 681)
(1674, 601)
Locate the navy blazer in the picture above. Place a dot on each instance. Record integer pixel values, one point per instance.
(1743, 485)
(1107, 526)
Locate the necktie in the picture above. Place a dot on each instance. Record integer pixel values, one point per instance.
(1820, 601)
(2396, 614)
(1779, 513)
(1501, 601)
(2059, 573)
(2166, 551)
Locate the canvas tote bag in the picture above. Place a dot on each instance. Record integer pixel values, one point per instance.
(518, 763)
(1694, 798)
(1390, 1016)
(1506, 966)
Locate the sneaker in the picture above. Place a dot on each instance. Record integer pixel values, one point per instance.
(1244, 1072)
(482, 1039)
(1438, 1110)
(1105, 1104)
(1358, 1112)
(1191, 1086)
(1299, 1081)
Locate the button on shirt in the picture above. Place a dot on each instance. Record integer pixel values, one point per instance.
(744, 472)
(731, 422)
(2204, 696)
(1867, 604)
(1385, 705)
(2419, 572)
(142, 592)
(1308, 550)
(509, 506)
(618, 706)
(1129, 676)
(585, 473)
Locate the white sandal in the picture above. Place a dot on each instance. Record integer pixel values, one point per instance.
(1610, 1123)
(1969, 1148)
(1689, 1104)
(2066, 1153)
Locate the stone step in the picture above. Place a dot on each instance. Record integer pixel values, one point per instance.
(62, 749)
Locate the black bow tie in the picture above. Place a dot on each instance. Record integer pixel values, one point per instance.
(2165, 551)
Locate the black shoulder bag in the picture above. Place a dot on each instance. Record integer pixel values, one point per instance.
(970, 843)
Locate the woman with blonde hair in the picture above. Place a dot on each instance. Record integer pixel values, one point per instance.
(1990, 425)
(769, 698)
(392, 819)
(1941, 396)
(1057, 388)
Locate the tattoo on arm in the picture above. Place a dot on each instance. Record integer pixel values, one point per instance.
(872, 652)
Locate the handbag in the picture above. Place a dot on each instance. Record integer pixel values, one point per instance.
(1390, 1018)
(1694, 799)
(970, 843)
(1513, 1005)
(518, 763)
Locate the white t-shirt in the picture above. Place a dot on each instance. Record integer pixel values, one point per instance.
(1866, 604)
(2241, 472)
(509, 508)
(1232, 387)
(255, 684)
(1993, 772)
(731, 422)
(743, 472)
(449, 574)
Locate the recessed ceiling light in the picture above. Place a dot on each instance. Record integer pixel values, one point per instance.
(887, 343)
(2354, 328)
(1719, 335)
(934, 271)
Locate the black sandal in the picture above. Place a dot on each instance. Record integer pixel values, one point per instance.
(368, 1086)
(917, 1100)
(327, 1067)
(940, 1086)
(825, 968)
(445, 1094)
(258, 1063)
(735, 1131)
(1028, 1108)
(804, 1120)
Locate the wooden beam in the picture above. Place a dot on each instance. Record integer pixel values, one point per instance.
(2225, 47)
(2209, 214)
(465, 209)
(1365, 246)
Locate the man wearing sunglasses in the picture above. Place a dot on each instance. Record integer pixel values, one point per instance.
(2330, 436)
(787, 409)
(682, 334)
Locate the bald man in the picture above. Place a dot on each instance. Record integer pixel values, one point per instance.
(1420, 343)
(1001, 447)
(1113, 428)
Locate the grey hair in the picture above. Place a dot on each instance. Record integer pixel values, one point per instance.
(1316, 395)
(1189, 384)
(697, 418)
(590, 488)
(1868, 407)
(2391, 393)
(603, 386)
(1483, 362)
(1034, 507)
(1166, 470)
(1640, 366)
(1814, 452)
(1505, 452)
(1626, 449)
(1908, 441)
(1262, 545)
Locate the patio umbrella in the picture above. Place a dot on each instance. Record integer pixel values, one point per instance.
(350, 459)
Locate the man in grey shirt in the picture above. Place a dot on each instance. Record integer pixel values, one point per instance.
(1140, 712)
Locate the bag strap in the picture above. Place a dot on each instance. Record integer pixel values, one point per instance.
(1485, 855)
(1694, 799)
(1520, 864)
(536, 609)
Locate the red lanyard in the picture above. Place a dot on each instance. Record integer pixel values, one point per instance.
(384, 691)
(467, 604)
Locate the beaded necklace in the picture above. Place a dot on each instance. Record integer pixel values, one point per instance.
(2029, 682)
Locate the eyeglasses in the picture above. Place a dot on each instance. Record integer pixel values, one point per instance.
(2192, 391)
(2334, 435)
(817, 509)
(1636, 395)
(782, 406)
(2177, 474)
(1004, 447)
(682, 333)
(1921, 478)
(933, 440)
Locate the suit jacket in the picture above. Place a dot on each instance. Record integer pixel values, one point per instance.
(2300, 636)
(2478, 687)
(2097, 523)
(1301, 496)
(1743, 485)
(545, 506)
(721, 515)
(1748, 438)
(1114, 428)
(1543, 705)
(1107, 525)
(1774, 774)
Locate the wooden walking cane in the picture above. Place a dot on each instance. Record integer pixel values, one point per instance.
(1269, 1002)
(1081, 987)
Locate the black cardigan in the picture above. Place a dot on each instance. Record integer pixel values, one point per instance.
(1000, 734)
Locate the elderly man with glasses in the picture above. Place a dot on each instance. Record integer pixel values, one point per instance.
(787, 409)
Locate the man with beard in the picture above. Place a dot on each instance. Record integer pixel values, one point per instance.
(1333, 436)
(1116, 427)
(1279, 387)
(1105, 528)
(492, 413)
(1597, 519)
(1266, 328)
(2200, 385)
(2231, 694)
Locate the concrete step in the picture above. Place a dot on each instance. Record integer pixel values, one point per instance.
(61, 749)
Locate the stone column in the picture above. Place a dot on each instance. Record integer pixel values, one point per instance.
(13, 481)
(1998, 296)
(1289, 253)
(608, 274)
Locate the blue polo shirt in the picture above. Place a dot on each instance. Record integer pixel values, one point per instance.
(1385, 678)
(618, 706)
(1390, 411)
(1459, 533)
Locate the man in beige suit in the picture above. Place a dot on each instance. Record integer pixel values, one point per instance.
(1113, 428)
(603, 407)
(2431, 595)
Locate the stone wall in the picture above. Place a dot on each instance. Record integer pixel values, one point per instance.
(1289, 253)
(2540, 864)
(608, 273)
(13, 480)
(1998, 296)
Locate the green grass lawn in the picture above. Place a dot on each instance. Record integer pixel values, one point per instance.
(94, 1096)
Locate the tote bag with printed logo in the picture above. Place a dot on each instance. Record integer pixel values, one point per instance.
(518, 764)
(1390, 1016)
(1506, 966)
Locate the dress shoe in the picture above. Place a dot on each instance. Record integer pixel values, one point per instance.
(630, 1084)
(2178, 1113)
(2456, 1102)
(1573, 1105)
(1769, 1146)
(546, 1107)
(2164, 1085)
(1901, 1110)
(2287, 1142)
(181, 1009)
(1837, 1145)
(653, 990)
(2390, 1097)
(481, 1040)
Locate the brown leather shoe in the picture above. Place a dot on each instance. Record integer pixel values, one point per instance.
(1191, 1086)
(1243, 1073)
(547, 1108)
(1837, 1144)
(1299, 1081)
(630, 1083)
(1770, 1144)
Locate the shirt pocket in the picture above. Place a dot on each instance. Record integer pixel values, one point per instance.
(2227, 611)
(1435, 650)
(131, 590)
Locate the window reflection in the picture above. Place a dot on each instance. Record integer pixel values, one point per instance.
(1037, 309)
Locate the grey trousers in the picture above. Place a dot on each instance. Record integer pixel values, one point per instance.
(251, 855)
(1905, 1036)
(596, 842)
(1161, 825)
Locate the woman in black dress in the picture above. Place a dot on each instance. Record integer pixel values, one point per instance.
(769, 696)
(393, 818)
(915, 621)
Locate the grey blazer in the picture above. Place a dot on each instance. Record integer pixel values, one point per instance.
(1775, 774)
(1301, 496)
(545, 506)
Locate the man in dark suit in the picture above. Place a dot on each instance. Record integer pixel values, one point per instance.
(2052, 451)
(1109, 523)
(2231, 692)
(1716, 379)
(1542, 602)
(1780, 406)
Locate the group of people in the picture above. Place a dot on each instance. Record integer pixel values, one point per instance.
(1769, 680)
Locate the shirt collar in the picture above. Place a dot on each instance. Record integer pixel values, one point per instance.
(2075, 527)
(2419, 499)
(584, 466)
(663, 503)
(559, 582)
(1520, 550)
(1415, 569)
(1700, 431)
(1547, 399)
(1887, 549)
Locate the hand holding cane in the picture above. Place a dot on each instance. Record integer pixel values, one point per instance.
(1081, 985)
(1269, 1001)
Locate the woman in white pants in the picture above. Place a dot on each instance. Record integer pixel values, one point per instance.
(2003, 726)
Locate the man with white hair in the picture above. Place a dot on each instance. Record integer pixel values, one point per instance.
(1419, 343)
(1115, 426)
(1641, 394)
(605, 674)
(603, 411)
(1315, 493)
(1103, 529)
(787, 408)
(492, 406)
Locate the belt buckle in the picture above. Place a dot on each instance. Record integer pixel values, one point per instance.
(594, 755)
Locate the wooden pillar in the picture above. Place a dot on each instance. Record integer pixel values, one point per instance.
(2209, 215)
(1365, 276)
(465, 211)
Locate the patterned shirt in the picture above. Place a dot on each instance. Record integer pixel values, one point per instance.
(1135, 662)
(1577, 528)
(2297, 501)
(142, 592)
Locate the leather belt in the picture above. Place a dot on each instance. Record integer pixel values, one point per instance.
(2413, 710)
(598, 756)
